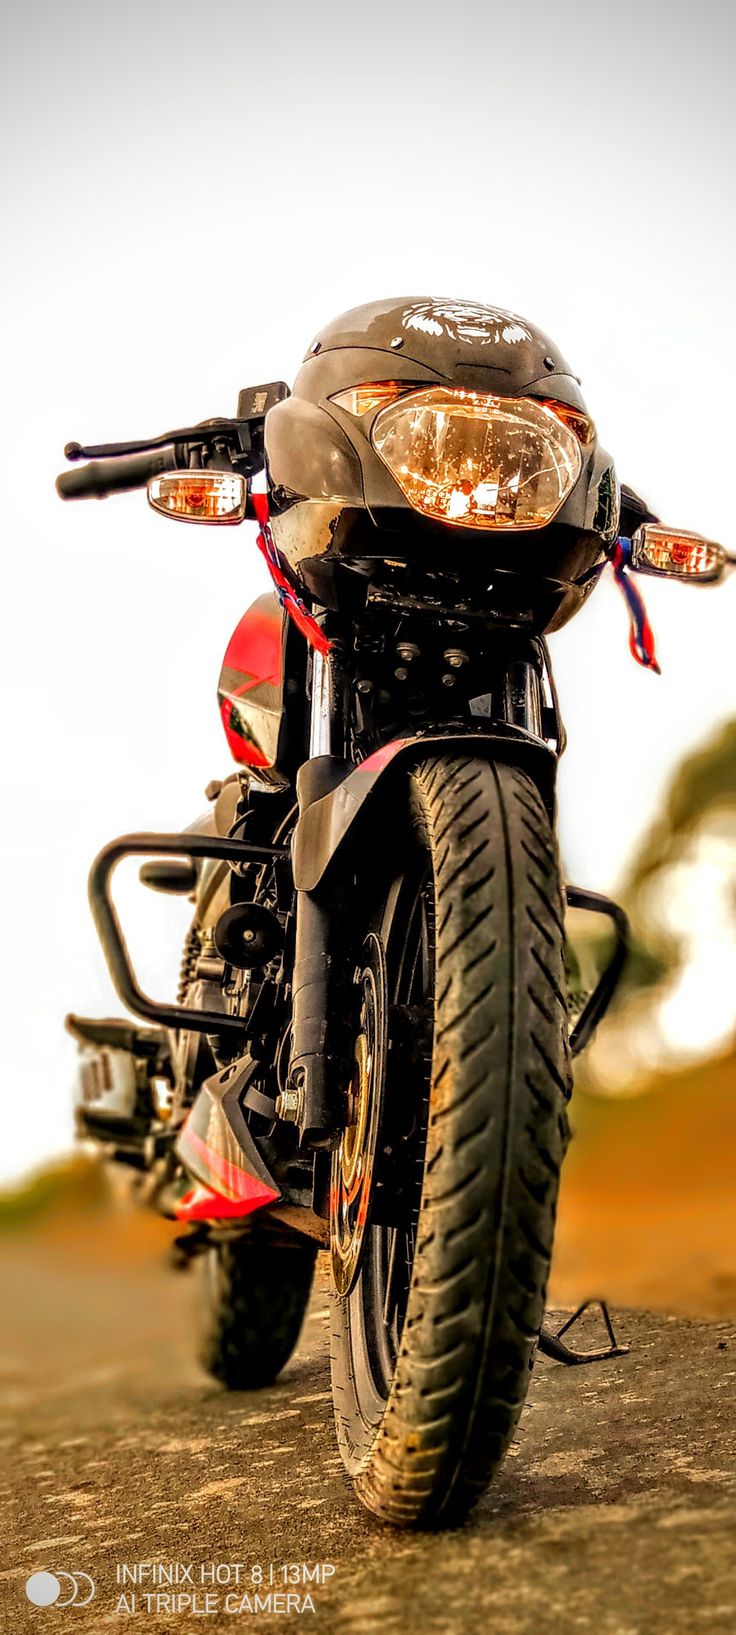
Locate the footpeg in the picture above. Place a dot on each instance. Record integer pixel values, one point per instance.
(115, 1033)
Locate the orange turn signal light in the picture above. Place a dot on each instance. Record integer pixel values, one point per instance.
(199, 496)
(373, 394)
(677, 553)
(579, 423)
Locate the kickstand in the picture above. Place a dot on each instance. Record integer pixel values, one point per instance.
(551, 1345)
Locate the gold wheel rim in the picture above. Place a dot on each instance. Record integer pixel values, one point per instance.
(354, 1159)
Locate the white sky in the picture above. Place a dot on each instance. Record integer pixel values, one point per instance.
(187, 196)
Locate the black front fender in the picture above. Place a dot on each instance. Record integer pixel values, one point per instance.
(334, 800)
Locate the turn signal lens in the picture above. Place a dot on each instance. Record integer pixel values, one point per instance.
(373, 394)
(479, 461)
(199, 496)
(578, 422)
(679, 554)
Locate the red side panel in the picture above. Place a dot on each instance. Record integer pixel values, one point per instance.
(250, 689)
(238, 1183)
(228, 1171)
(202, 1204)
(255, 644)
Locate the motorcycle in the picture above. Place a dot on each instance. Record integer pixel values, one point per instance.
(370, 1052)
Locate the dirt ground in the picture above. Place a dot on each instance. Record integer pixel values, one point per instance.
(615, 1513)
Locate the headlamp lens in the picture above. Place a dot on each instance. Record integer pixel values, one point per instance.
(479, 461)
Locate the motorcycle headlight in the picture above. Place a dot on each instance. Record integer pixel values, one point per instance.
(480, 461)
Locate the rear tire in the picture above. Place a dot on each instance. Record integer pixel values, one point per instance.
(422, 1445)
(253, 1296)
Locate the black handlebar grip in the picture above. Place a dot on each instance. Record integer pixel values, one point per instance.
(103, 477)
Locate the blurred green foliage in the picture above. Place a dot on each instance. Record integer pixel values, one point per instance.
(704, 783)
(74, 1183)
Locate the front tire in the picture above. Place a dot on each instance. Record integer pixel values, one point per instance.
(422, 1434)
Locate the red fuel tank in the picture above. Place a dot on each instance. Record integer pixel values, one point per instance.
(251, 689)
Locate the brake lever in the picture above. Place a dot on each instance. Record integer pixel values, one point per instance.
(203, 433)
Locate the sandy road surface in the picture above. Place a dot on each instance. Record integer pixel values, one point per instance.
(615, 1514)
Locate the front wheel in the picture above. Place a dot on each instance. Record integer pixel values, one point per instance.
(445, 1187)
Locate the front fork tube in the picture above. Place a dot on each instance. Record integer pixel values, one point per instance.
(321, 1023)
(522, 697)
(317, 1071)
(528, 697)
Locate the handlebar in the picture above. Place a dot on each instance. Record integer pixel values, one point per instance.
(103, 477)
(220, 444)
